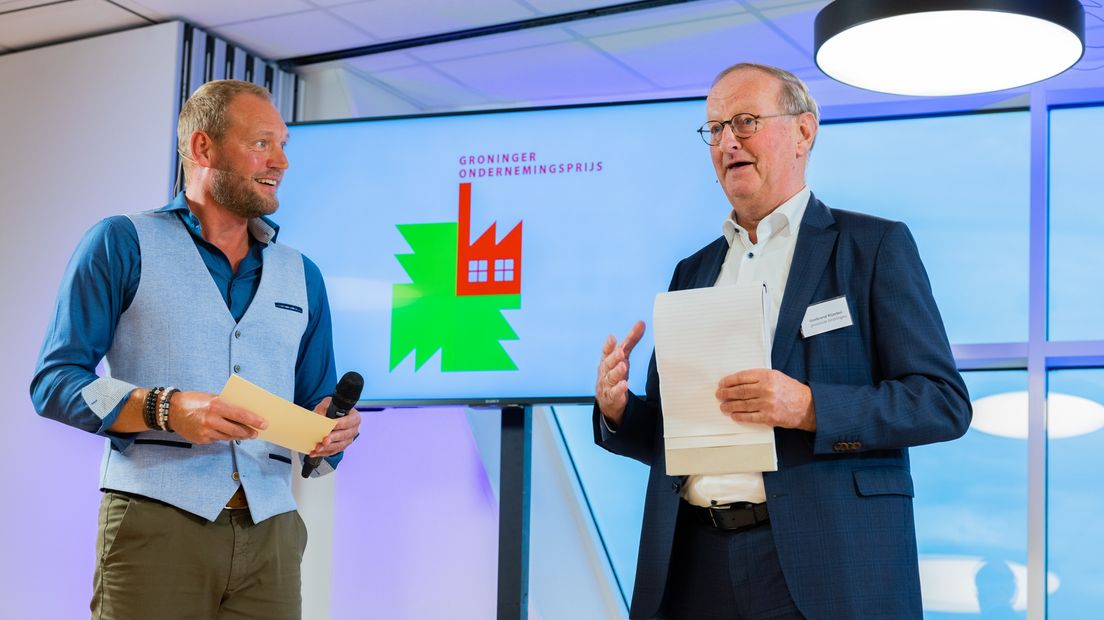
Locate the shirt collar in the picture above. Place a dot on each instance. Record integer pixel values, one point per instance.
(778, 222)
(261, 228)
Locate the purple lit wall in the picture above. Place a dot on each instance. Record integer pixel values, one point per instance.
(415, 521)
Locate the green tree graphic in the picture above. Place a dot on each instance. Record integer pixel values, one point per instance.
(427, 315)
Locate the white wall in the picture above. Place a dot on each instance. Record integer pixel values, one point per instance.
(86, 130)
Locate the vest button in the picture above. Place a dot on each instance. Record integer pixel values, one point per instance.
(237, 333)
(237, 368)
(235, 476)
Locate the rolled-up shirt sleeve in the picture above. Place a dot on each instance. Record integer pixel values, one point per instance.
(98, 285)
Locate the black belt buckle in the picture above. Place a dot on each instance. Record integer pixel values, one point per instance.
(738, 516)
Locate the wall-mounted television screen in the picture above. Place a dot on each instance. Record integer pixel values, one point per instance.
(483, 258)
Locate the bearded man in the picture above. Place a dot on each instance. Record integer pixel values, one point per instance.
(197, 518)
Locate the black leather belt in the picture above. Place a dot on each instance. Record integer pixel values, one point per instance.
(733, 517)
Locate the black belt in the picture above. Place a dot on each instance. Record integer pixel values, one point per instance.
(733, 517)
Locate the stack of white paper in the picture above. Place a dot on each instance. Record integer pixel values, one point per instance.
(702, 335)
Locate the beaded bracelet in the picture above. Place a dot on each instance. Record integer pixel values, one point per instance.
(150, 408)
(163, 408)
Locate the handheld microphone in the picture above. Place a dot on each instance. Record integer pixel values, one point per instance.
(344, 398)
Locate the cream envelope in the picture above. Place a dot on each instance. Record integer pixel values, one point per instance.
(289, 425)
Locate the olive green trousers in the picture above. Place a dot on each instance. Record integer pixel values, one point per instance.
(157, 562)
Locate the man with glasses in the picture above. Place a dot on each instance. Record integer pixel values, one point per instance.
(829, 534)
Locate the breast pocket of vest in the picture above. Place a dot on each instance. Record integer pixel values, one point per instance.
(284, 330)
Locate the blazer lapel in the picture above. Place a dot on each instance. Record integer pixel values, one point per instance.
(706, 275)
(815, 241)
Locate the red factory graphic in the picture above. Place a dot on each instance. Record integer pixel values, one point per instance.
(485, 267)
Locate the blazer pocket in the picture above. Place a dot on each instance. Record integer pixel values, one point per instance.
(883, 481)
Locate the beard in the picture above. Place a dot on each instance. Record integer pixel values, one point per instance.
(236, 194)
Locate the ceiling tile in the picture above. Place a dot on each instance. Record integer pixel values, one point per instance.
(431, 89)
(16, 5)
(559, 7)
(682, 54)
(394, 20)
(331, 3)
(210, 13)
(492, 44)
(298, 34)
(548, 73)
(690, 53)
(381, 62)
(769, 5)
(1086, 74)
(795, 26)
(652, 18)
(59, 22)
(667, 51)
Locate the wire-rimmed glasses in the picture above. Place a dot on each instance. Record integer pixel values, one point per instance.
(744, 125)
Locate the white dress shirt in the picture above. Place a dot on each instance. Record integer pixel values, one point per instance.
(747, 263)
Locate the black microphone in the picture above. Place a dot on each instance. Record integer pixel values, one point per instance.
(344, 398)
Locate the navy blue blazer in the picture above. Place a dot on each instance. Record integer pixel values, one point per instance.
(841, 500)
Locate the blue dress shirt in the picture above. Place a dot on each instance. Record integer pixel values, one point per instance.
(99, 284)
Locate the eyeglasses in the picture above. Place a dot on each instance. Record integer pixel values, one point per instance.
(743, 125)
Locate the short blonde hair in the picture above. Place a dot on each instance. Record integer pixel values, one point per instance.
(206, 109)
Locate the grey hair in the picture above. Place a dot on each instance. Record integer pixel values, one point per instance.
(206, 109)
(794, 97)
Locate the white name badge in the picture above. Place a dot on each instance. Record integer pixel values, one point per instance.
(825, 317)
